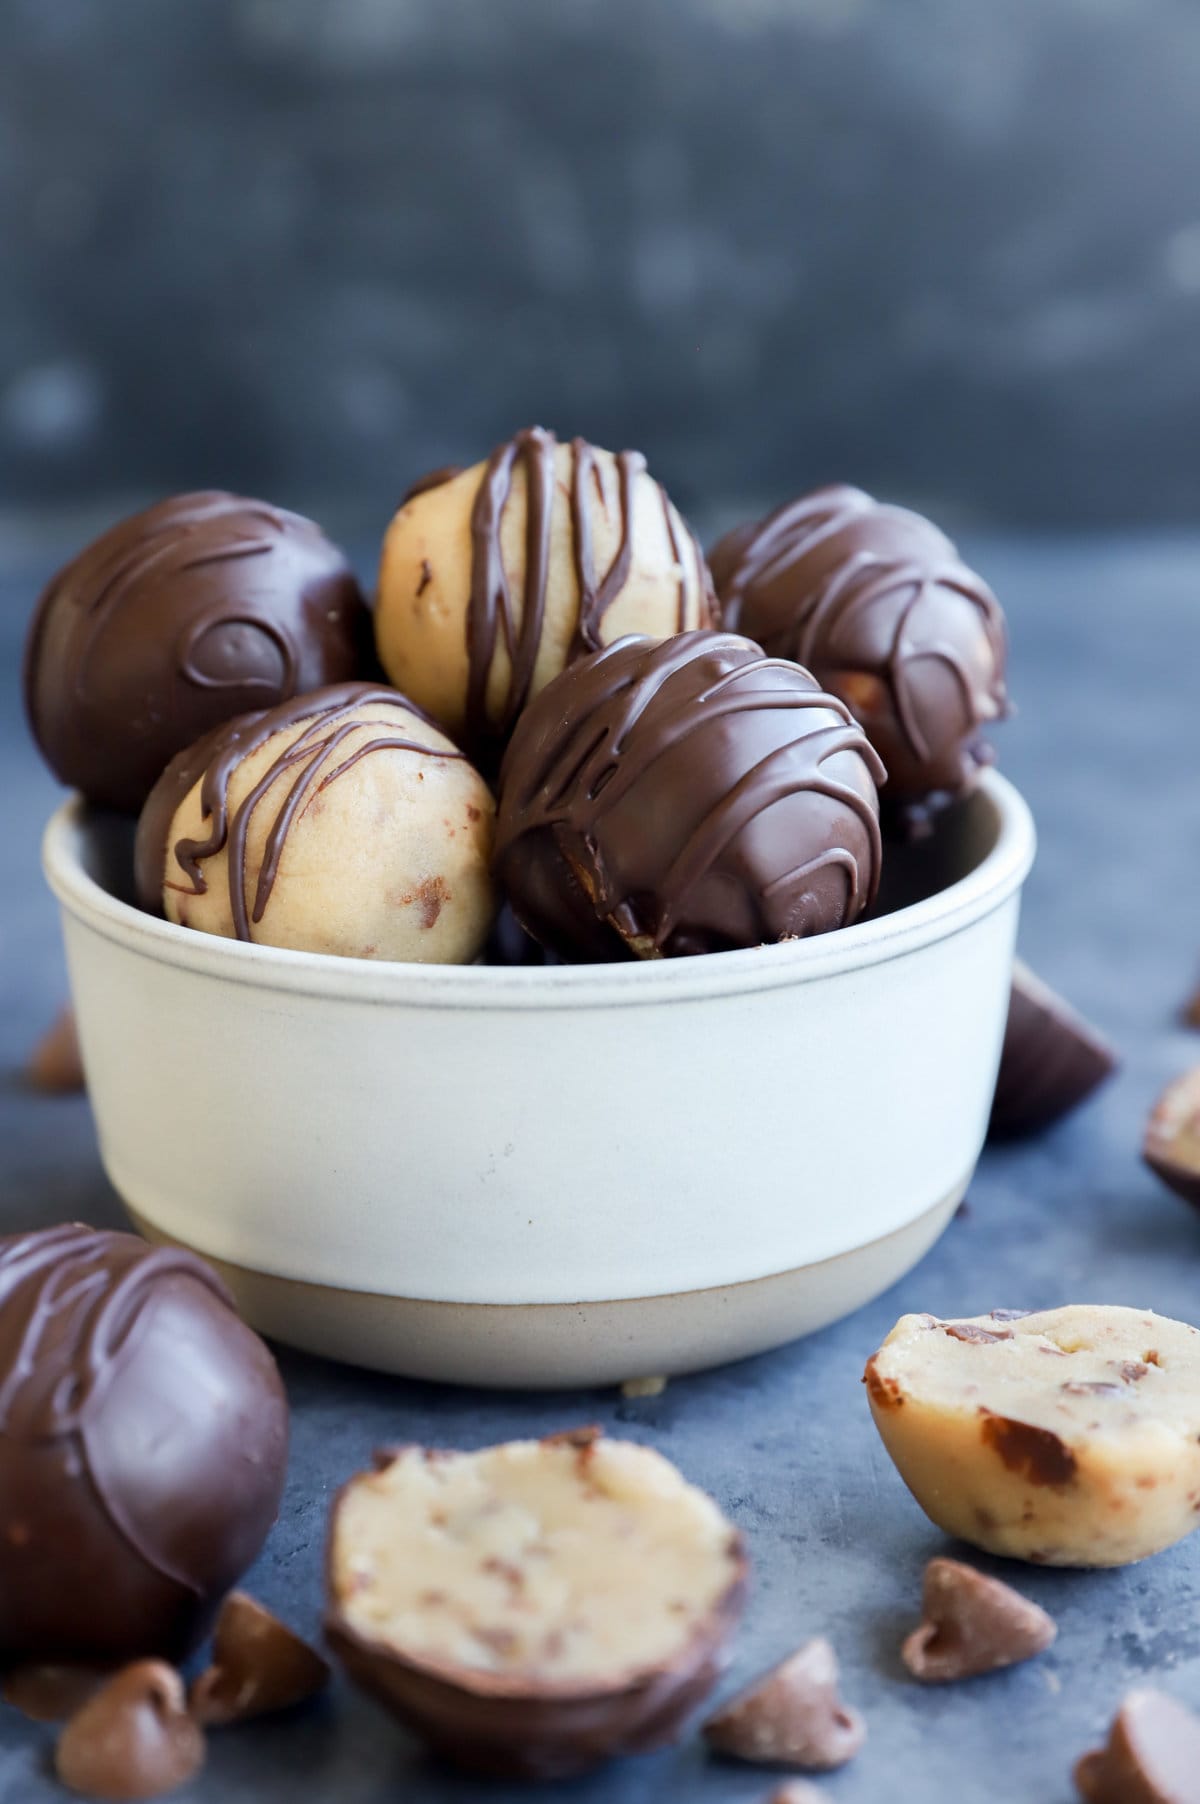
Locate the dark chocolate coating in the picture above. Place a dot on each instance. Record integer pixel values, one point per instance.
(176, 619)
(143, 1445)
(685, 795)
(877, 603)
(1052, 1060)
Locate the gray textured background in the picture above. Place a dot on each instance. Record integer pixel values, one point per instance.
(950, 248)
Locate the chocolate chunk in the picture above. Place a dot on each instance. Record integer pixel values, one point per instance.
(55, 1065)
(1171, 1147)
(1051, 1062)
(50, 1694)
(1038, 1454)
(258, 1666)
(133, 1739)
(971, 1331)
(792, 1716)
(1152, 1755)
(972, 1624)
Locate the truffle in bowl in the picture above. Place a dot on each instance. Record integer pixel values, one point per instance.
(550, 1175)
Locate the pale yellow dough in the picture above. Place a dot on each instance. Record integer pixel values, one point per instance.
(547, 1559)
(1068, 1438)
(425, 581)
(388, 861)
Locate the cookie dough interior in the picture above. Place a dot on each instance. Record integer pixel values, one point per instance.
(1066, 1437)
(560, 1561)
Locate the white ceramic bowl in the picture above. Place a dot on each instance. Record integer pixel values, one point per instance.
(550, 1177)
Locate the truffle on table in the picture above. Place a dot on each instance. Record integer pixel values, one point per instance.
(1066, 1437)
(537, 1607)
(176, 619)
(494, 578)
(685, 795)
(341, 822)
(143, 1444)
(877, 603)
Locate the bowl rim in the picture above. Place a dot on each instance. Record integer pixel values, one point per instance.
(702, 977)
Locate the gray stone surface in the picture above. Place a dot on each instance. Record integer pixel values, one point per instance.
(312, 247)
(1107, 646)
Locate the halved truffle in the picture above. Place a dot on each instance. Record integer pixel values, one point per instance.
(1171, 1147)
(534, 1608)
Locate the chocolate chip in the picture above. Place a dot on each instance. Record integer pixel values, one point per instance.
(885, 1393)
(972, 1624)
(970, 1331)
(792, 1716)
(258, 1666)
(1036, 1454)
(55, 1065)
(1152, 1755)
(133, 1739)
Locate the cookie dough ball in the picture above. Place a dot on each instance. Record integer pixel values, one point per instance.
(494, 578)
(1070, 1437)
(175, 620)
(342, 822)
(686, 795)
(877, 603)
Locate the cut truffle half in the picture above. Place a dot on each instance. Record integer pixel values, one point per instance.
(1171, 1147)
(537, 1607)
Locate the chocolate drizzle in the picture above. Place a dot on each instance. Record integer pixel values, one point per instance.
(633, 790)
(493, 617)
(143, 1437)
(331, 717)
(71, 1297)
(174, 620)
(870, 597)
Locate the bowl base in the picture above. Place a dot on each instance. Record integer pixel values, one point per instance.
(566, 1346)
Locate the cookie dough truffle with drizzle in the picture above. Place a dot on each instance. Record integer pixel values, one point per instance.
(877, 603)
(686, 795)
(494, 578)
(342, 822)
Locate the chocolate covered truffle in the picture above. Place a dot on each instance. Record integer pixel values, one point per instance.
(341, 822)
(533, 1608)
(494, 578)
(686, 795)
(143, 1442)
(174, 620)
(877, 603)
